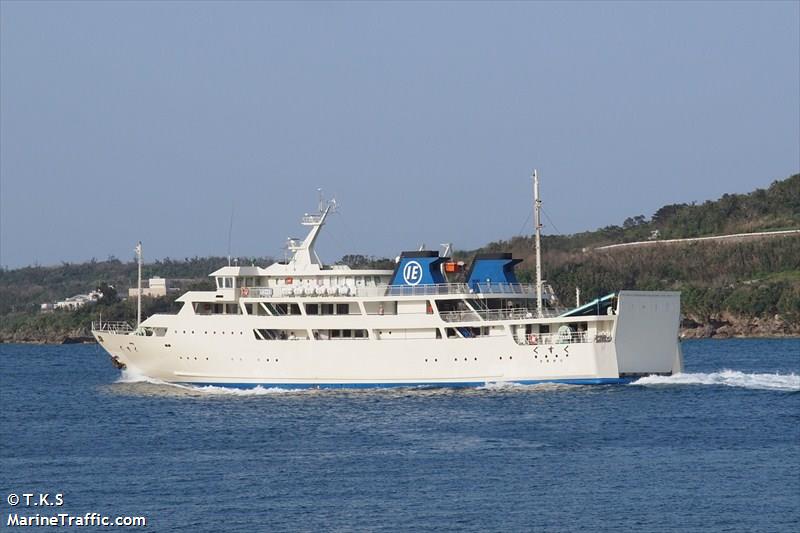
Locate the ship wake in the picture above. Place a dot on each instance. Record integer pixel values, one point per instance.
(728, 378)
(146, 384)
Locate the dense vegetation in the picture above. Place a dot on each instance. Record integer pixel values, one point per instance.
(748, 279)
(23, 289)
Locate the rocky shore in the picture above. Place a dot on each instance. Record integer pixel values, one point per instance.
(76, 336)
(725, 326)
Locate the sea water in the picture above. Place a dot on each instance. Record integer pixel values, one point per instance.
(714, 449)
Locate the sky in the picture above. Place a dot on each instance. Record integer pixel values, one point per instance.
(127, 121)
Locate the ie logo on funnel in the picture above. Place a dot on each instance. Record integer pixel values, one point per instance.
(412, 273)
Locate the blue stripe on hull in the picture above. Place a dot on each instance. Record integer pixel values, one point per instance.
(454, 384)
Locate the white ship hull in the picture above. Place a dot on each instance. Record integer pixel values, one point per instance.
(304, 324)
(641, 338)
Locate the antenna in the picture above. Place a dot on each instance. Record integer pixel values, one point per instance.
(537, 207)
(230, 230)
(138, 251)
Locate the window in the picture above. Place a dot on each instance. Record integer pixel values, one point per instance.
(228, 283)
(342, 309)
(270, 334)
(340, 334)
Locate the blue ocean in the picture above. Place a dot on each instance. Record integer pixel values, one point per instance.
(714, 449)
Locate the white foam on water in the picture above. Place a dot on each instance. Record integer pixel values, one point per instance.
(129, 376)
(511, 386)
(258, 390)
(728, 378)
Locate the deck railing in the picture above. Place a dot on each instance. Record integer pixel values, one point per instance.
(574, 337)
(516, 313)
(113, 327)
(418, 290)
(438, 289)
(506, 288)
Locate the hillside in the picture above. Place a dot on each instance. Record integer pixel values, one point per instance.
(749, 287)
(728, 288)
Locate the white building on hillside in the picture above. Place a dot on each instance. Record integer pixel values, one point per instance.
(156, 287)
(75, 302)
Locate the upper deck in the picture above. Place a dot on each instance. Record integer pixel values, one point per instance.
(416, 274)
(247, 288)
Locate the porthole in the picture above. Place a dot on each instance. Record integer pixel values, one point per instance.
(476, 358)
(436, 360)
(465, 359)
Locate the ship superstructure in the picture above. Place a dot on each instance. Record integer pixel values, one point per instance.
(300, 323)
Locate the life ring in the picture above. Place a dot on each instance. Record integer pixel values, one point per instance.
(289, 281)
(532, 338)
(245, 291)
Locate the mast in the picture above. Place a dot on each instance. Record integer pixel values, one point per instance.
(537, 206)
(303, 253)
(139, 286)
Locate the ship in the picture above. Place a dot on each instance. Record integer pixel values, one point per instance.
(430, 321)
